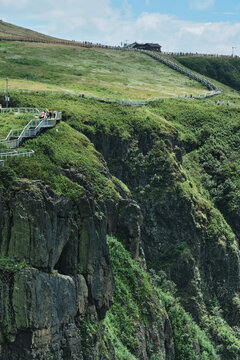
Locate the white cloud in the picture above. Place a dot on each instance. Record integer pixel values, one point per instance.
(176, 35)
(13, 3)
(229, 13)
(202, 4)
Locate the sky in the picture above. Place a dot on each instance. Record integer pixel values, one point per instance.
(203, 26)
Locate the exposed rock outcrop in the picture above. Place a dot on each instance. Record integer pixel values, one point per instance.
(177, 232)
(68, 272)
(67, 276)
(39, 317)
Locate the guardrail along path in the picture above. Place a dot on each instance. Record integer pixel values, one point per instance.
(16, 136)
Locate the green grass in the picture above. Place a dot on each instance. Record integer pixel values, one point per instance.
(209, 133)
(7, 29)
(10, 265)
(54, 150)
(137, 302)
(69, 147)
(205, 129)
(207, 179)
(224, 70)
(101, 72)
(13, 121)
(90, 115)
(211, 137)
(227, 339)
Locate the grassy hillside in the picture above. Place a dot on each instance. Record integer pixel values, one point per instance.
(101, 72)
(212, 139)
(12, 121)
(225, 70)
(209, 133)
(208, 175)
(180, 160)
(134, 306)
(13, 31)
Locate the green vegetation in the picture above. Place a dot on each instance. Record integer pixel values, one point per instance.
(212, 138)
(227, 339)
(90, 116)
(13, 121)
(133, 293)
(181, 162)
(101, 72)
(136, 302)
(11, 30)
(7, 176)
(10, 265)
(186, 334)
(89, 331)
(64, 148)
(224, 70)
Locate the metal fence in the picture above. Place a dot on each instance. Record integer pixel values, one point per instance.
(20, 110)
(180, 69)
(96, 45)
(6, 153)
(15, 137)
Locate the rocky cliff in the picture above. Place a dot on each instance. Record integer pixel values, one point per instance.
(179, 232)
(115, 245)
(182, 232)
(66, 272)
(61, 276)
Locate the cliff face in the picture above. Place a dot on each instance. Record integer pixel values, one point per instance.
(67, 276)
(181, 232)
(64, 296)
(39, 312)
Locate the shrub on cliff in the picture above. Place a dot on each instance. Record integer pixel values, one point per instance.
(7, 176)
(141, 299)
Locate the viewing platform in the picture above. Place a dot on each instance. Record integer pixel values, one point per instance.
(33, 128)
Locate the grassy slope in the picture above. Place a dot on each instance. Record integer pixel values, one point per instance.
(109, 73)
(137, 302)
(12, 121)
(68, 147)
(195, 122)
(141, 300)
(210, 135)
(64, 148)
(224, 70)
(11, 30)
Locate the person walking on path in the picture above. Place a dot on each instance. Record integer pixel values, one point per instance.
(42, 116)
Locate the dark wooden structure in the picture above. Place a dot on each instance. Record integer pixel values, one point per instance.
(146, 46)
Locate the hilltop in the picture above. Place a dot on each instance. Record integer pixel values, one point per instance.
(9, 31)
(95, 71)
